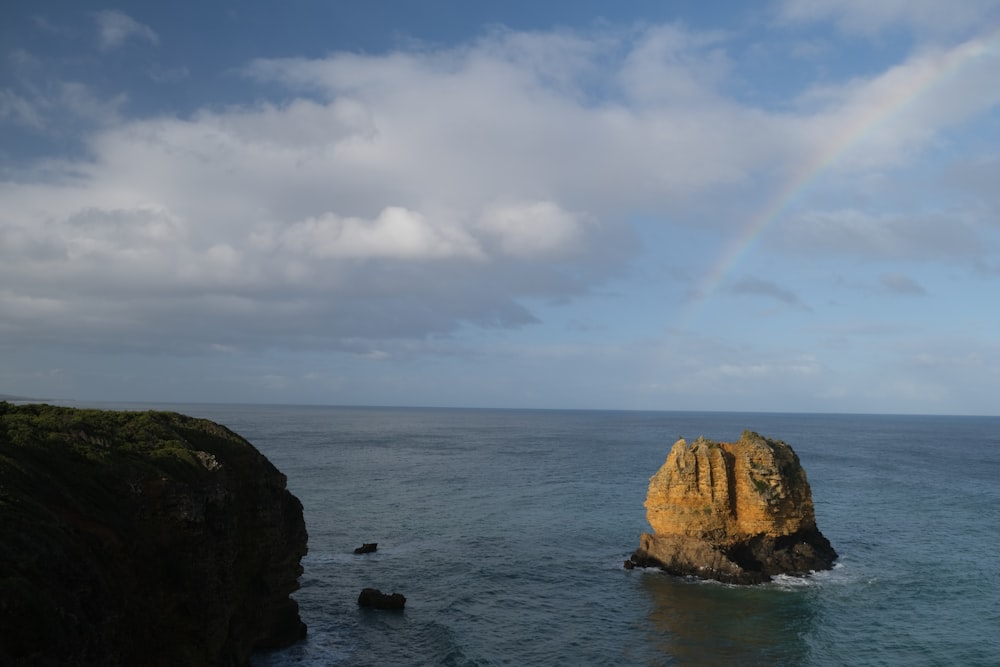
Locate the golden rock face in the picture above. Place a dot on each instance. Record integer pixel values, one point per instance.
(727, 492)
(740, 512)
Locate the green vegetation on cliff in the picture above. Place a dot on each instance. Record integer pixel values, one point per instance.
(141, 538)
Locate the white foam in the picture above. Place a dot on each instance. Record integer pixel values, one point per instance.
(791, 582)
(317, 649)
(839, 574)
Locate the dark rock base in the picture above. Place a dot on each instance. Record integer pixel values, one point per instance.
(752, 561)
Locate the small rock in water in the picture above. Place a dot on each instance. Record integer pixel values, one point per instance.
(367, 548)
(376, 599)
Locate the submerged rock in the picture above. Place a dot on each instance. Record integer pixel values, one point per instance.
(149, 538)
(737, 512)
(376, 599)
(367, 548)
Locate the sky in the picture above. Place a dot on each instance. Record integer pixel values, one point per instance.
(782, 206)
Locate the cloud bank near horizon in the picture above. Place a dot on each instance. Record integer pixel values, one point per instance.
(366, 203)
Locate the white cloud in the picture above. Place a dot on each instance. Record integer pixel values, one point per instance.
(888, 119)
(408, 195)
(674, 67)
(114, 28)
(497, 126)
(396, 233)
(535, 229)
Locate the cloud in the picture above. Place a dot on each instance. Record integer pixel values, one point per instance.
(403, 197)
(673, 66)
(19, 110)
(975, 179)
(953, 371)
(52, 106)
(395, 233)
(890, 118)
(44, 24)
(516, 127)
(60, 110)
(927, 236)
(160, 74)
(870, 18)
(705, 366)
(534, 229)
(855, 328)
(114, 28)
(811, 49)
(899, 283)
(765, 288)
(744, 372)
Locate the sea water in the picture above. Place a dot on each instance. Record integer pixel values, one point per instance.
(506, 530)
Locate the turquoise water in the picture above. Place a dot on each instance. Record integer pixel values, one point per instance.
(506, 530)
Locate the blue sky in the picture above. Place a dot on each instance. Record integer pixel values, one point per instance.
(778, 206)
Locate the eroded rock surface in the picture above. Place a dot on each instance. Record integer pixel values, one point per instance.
(738, 512)
(141, 538)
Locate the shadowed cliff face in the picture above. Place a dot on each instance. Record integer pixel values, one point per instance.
(739, 512)
(141, 538)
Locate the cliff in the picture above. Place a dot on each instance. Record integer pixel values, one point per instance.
(148, 538)
(738, 512)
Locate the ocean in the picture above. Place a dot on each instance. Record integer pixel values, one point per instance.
(507, 530)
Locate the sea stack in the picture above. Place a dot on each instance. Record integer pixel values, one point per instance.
(738, 512)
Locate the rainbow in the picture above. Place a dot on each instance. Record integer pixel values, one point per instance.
(898, 91)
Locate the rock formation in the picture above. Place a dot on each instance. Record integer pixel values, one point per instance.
(737, 512)
(149, 538)
(367, 548)
(373, 598)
